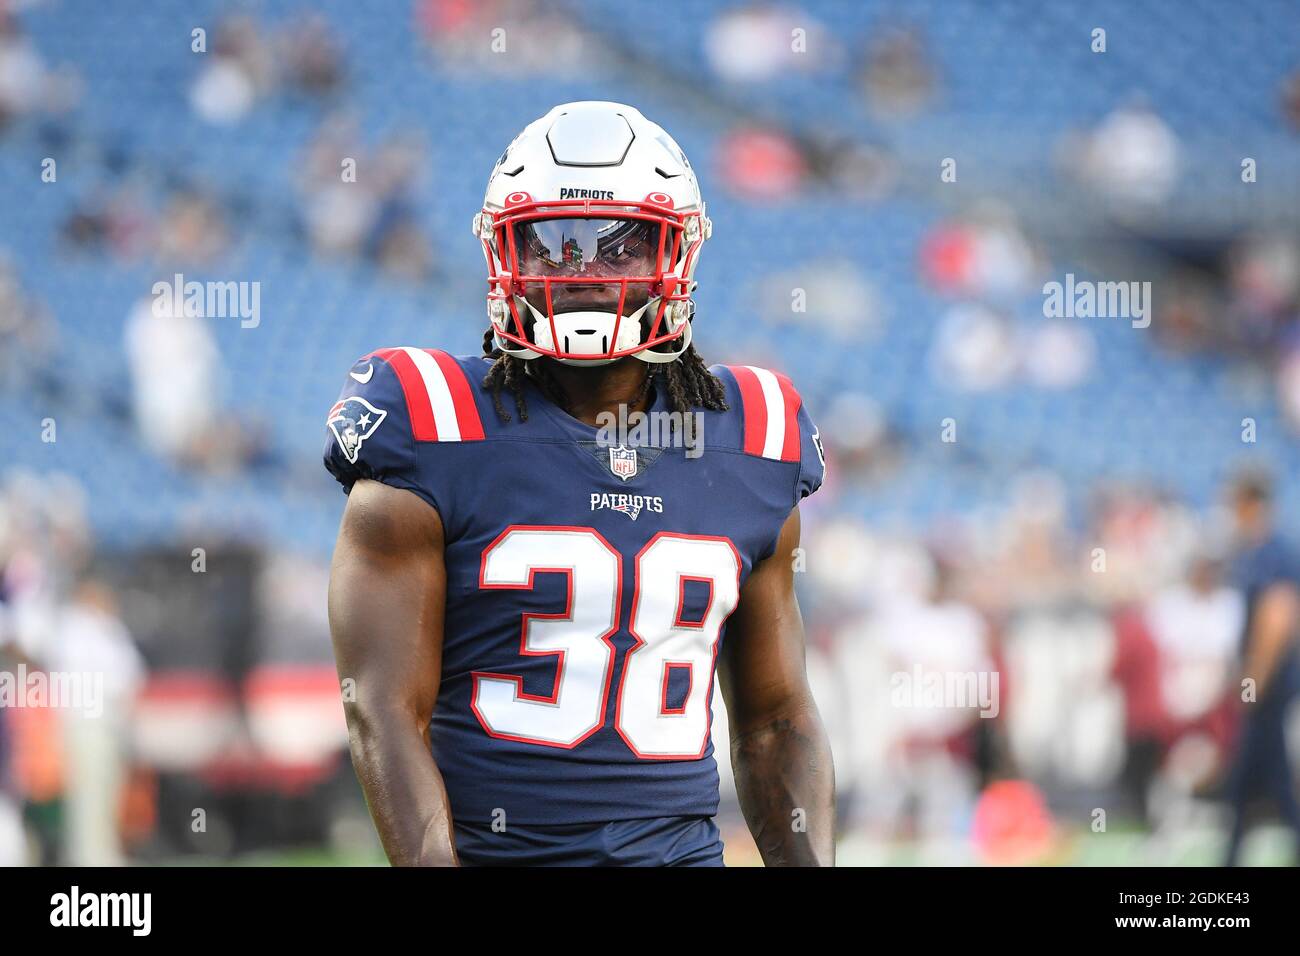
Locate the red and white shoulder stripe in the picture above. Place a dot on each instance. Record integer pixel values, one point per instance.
(770, 406)
(438, 394)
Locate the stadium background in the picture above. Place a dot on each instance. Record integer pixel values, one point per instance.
(980, 453)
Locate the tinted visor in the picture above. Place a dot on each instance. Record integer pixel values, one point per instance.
(601, 247)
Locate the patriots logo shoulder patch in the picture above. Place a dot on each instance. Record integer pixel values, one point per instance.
(353, 420)
(817, 443)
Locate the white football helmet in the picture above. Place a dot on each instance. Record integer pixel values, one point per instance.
(592, 226)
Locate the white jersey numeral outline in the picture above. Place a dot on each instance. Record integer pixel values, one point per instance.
(580, 636)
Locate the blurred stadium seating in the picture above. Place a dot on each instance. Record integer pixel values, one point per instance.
(1008, 68)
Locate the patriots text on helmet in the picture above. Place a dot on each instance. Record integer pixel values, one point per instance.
(571, 193)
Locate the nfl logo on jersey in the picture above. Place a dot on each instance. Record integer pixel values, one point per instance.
(622, 462)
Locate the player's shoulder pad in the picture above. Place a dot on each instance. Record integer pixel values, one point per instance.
(393, 398)
(437, 391)
(767, 419)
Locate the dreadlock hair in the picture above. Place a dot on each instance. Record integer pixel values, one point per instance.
(688, 381)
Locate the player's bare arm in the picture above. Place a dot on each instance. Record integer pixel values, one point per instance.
(386, 600)
(785, 776)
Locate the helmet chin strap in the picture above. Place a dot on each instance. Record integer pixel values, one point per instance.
(658, 358)
(630, 322)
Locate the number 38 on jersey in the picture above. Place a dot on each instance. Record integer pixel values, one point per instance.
(579, 635)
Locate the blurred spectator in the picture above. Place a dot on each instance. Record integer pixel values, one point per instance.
(1267, 570)
(313, 60)
(397, 243)
(238, 70)
(1195, 623)
(1021, 556)
(339, 212)
(370, 214)
(1264, 285)
(21, 71)
(986, 253)
(251, 60)
(1291, 100)
(974, 349)
(1136, 671)
(1245, 300)
(192, 229)
(118, 223)
(935, 642)
(90, 640)
(44, 541)
(244, 42)
(1288, 382)
(1187, 315)
(1132, 156)
(851, 566)
(758, 42)
(859, 171)
(27, 85)
(125, 222)
(223, 93)
(470, 37)
(863, 446)
(27, 336)
(1140, 541)
(827, 297)
(175, 378)
(1058, 354)
(13, 839)
(899, 78)
(760, 164)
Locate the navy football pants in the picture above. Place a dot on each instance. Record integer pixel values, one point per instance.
(1262, 767)
(662, 841)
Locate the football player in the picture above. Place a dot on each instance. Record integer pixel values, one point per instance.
(528, 603)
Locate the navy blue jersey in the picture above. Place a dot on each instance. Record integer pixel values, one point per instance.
(588, 582)
(1254, 569)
